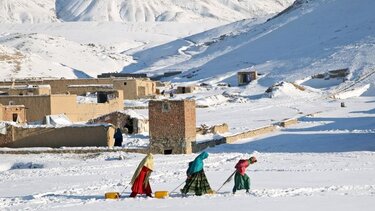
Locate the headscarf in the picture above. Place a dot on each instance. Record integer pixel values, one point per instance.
(148, 162)
(197, 164)
(252, 158)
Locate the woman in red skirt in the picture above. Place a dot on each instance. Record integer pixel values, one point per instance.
(140, 181)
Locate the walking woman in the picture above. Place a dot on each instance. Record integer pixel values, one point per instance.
(140, 181)
(196, 181)
(241, 180)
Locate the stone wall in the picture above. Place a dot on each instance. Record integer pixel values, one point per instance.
(197, 147)
(216, 129)
(288, 122)
(6, 136)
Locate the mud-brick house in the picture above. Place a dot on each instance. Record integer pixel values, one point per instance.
(185, 89)
(132, 88)
(13, 113)
(245, 77)
(49, 136)
(38, 106)
(26, 90)
(128, 121)
(172, 126)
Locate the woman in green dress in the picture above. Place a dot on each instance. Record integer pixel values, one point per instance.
(196, 181)
(241, 180)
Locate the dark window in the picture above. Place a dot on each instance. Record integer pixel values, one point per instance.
(125, 83)
(167, 152)
(165, 107)
(102, 97)
(15, 117)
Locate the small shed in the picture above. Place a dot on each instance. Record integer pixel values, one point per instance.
(185, 89)
(129, 122)
(245, 77)
(13, 113)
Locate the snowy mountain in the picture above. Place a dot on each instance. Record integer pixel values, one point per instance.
(27, 11)
(43, 55)
(41, 11)
(309, 37)
(107, 29)
(166, 10)
(83, 48)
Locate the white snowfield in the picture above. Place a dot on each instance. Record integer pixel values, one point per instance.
(326, 162)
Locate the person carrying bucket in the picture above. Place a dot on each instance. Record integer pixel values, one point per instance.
(241, 180)
(140, 180)
(196, 181)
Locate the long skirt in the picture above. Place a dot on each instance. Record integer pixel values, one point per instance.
(139, 186)
(197, 184)
(241, 182)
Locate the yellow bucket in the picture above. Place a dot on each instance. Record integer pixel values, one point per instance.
(161, 194)
(112, 195)
(211, 192)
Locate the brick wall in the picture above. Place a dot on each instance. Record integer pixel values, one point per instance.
(172, 126)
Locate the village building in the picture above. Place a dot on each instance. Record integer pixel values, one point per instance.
(13, 113)
(172, 126)
(132, 88)
(49, 136)
(165, 75)
(185, 89)
(25, 90)
(39, 106)
(245, 77)
(122, 75)
(126, 121)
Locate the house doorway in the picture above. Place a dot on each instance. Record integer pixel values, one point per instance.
(167, 151)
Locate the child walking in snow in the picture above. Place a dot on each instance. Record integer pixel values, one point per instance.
(196, 181)
(241, 180)
(140, 180)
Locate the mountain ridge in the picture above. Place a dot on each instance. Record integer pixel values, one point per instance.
(46, 11)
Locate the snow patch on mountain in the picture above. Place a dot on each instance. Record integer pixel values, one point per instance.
(83, 60)
(27, 11)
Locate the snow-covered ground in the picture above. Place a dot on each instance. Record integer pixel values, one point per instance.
(325, 162)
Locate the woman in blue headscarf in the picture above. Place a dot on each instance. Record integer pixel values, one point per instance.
(196, 181)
